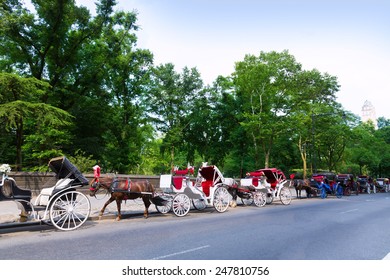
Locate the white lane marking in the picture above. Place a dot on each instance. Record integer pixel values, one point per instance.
(349, 211)
(387, 257)
(181, 252)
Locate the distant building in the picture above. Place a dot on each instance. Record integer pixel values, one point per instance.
(368, 113)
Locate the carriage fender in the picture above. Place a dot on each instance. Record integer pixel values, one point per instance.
(229, 182)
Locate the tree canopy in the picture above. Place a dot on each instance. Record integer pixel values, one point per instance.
(76, 84)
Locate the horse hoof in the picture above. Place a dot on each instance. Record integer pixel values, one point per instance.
(118, 219)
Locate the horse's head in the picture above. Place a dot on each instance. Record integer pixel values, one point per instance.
(94, 186)
(100, 183)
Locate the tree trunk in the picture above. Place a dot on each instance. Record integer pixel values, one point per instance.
(19, 142)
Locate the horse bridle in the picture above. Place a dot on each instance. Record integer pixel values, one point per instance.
(95, 186)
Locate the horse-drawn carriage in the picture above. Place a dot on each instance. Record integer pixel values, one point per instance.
(382, 184)
(348, 184)
(272, 182)
(210, 189)
(60, 205)
(366, 184)
(250, 190)
(172, 185)
(326, 184)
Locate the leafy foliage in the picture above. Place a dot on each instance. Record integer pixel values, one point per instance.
(76, 84)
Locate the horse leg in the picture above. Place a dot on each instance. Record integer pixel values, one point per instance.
(147, 204)
(118, 206)
(233, 203)
(298, 192)
(104, 207)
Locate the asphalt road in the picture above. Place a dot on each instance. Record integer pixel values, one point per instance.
(350, 228)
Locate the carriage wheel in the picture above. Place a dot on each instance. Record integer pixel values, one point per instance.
(247, 199)
(69, 210)
(163, 209)
(285, 195)
(221, 199)
(181, 204)
(269, 198)
(199, 204)
(347, 191)
(260, 199)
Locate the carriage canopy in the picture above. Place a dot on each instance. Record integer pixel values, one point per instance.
(65, 169)
(274, 175)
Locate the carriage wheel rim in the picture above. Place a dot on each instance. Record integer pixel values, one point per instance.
(285, 196)
(165, 209)
(221, 199)
(181, 205)
(70, 210)
(199, 204)
(259, 199)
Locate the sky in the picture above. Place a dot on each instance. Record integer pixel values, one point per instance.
(345, 38)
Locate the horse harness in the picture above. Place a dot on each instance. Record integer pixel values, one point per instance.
(114, 186)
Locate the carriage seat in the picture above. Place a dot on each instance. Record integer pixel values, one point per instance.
(11, 191)
(44, 196)
(178, 182)
(247, 184)
(206, 185)
(165, 181)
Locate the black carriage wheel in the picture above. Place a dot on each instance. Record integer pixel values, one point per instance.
(163, 209)
(199, 204)
(247, 199)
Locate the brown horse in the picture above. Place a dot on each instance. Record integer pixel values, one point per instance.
(300, 185)
(123, 189)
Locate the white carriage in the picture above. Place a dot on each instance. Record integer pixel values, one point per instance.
(60, 205)
(210, 189)
(274, 182)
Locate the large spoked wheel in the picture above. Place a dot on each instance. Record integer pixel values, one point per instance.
(260, 199)
(69, 210)
(199, 204)
(285, 196)
(247, 199)
(269, 198)
(347, 191)
(221, 199)
(163, 209)
(181, 204)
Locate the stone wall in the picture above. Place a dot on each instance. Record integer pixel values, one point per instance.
(36, 181)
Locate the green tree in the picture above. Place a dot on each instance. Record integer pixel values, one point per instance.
(265, 85)
(365, 148)
(19, 105)
(171, 99)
